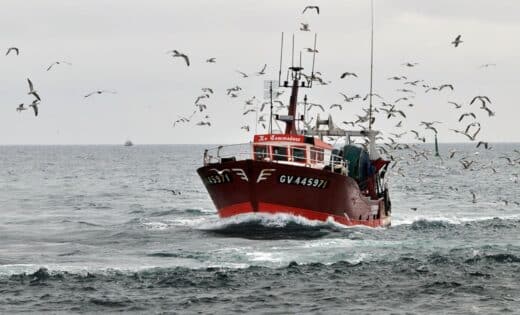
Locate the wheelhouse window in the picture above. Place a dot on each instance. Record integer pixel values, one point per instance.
(261, 152)
(298, 154)
(279, 153)
(316, 155)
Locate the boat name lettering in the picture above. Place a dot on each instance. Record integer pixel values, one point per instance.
(262, 138)
(303, 181)
(218, 179)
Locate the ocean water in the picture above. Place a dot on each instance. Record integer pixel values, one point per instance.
(95, 229)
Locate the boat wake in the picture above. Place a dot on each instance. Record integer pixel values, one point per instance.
(271, 226)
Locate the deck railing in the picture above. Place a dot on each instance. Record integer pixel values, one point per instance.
(244, 151)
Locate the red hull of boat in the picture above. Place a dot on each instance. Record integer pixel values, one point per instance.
(251, 186)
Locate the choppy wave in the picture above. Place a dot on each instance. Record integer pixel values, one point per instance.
(419, 277)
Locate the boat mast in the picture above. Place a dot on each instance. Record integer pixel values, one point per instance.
(371, 65)
(290, 126)
(296, 77)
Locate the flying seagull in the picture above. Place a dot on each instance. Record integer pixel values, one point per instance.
(34, 105)
(474, 196)
(201, 107)
(465, 163)
(488, 110)
(410, 64)
(481, 98)
(485, 144)
(456, 42)
(201, 97)
(467, 114)
(244, 75)
(211, 60)
(305, 27)
(100, 92)
(184, 56)
(15, 49)
(445, 86)
(311, 105)
(311, 50)
(345, 74)
(414, 83)
(57, 63)
(262, 72)
(312, 7)
(397, 78)
(20, 108)
(455, 104)
(32, 91)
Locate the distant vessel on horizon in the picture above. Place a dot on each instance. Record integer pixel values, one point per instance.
(128, 143)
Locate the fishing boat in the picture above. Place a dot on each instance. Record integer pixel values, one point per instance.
(296, 172)
(128, 143)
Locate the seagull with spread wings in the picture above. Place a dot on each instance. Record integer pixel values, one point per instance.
(443, 86)
(15, 49)
(57, 63)
(244, 75)
(20, 108)
(181, 55)
(456, 42)
(346, 74)
(485, 144)
(34, 105)
(311, 105)
(32, 91)
(312, 7)
(200, 97)
(311, 50)
(100, 92)
(481, 98)
(203, 123)
(488, 110)
(466, 115)
(457, 106)
(262, 72)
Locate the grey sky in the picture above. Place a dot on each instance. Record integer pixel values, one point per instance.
(121, 45)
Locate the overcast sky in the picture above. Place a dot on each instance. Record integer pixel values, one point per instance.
(121, 45)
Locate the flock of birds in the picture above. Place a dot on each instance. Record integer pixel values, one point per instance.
(395, 110)
(15, 51)
(390, 109)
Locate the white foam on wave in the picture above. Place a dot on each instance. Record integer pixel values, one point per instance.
(330, 242)
(264, 256)
(182, 221)
(450, 219)
(278, 220)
